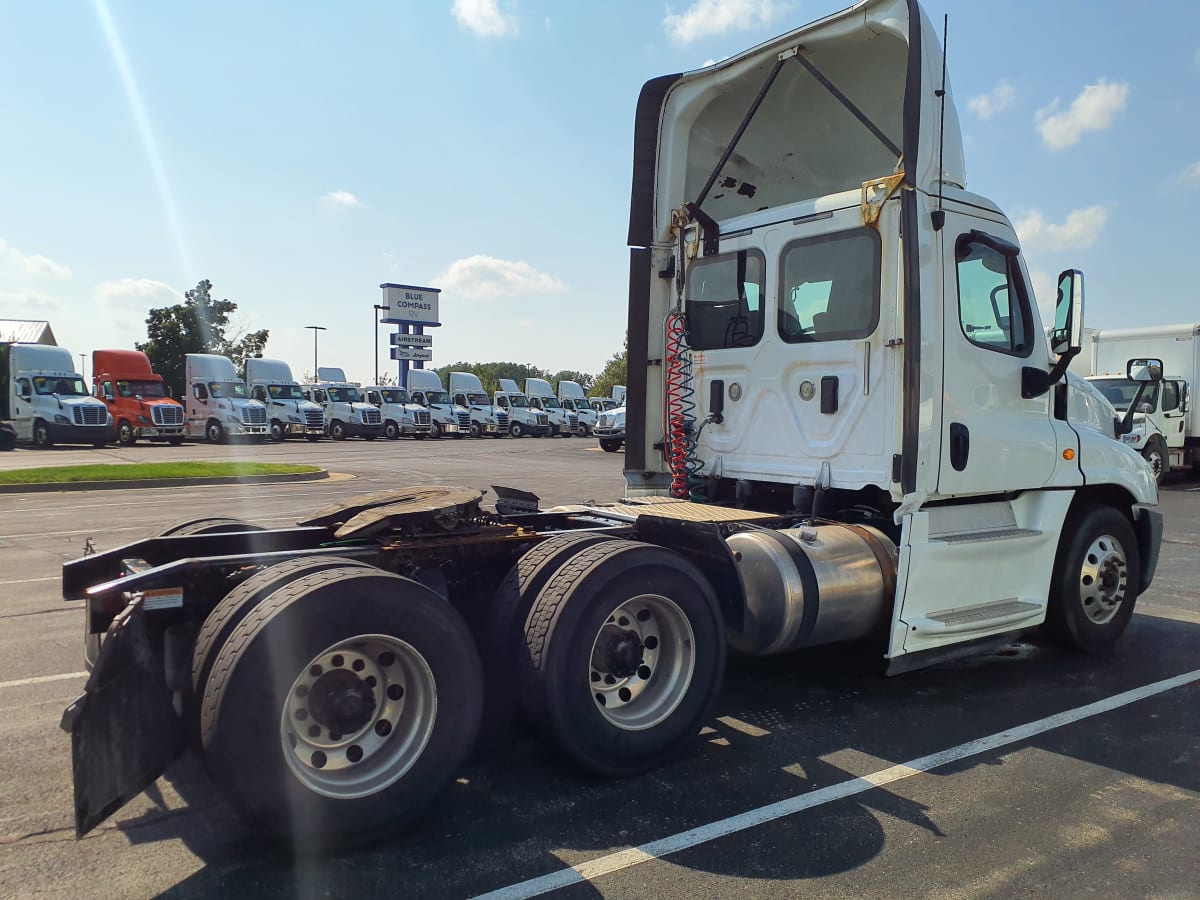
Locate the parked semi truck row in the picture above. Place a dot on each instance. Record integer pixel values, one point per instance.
(136, 398)
(826, 457)
(46, 401)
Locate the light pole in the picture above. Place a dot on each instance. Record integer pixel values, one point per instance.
(83, 365)
(315, 329)
(378, 307)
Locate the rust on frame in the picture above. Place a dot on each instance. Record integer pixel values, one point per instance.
(877, 192)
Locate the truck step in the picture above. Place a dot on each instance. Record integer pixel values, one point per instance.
(976, 618)
(996, 534)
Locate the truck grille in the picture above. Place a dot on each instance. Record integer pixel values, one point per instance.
(572, 421)
(254, 415)
(605, 421)
(372, 416)
(166, 414)
(542, 419)
(464, 421)
(90, 415)
(314, 418)
(421, 417)
(501, 420)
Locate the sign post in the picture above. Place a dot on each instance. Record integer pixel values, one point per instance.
(413, 308)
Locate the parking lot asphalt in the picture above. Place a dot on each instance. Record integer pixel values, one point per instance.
(1024, 771)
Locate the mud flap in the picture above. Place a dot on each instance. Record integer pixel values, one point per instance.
(124, 730)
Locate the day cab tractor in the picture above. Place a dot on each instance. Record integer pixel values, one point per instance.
(843, 425)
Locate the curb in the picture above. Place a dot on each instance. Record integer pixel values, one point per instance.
(51, 487)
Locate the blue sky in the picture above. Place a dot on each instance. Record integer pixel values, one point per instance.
(298, 154)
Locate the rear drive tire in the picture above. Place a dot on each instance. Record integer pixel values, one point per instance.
(341, 706)
(626, 651)
(1096, 578)
(208, 525)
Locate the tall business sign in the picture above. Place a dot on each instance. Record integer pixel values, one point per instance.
(413, 309)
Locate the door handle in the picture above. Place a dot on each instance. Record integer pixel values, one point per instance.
(960, 445)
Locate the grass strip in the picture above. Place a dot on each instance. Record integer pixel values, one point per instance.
(143, 471)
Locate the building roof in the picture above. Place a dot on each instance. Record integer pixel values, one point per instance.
(23, 331)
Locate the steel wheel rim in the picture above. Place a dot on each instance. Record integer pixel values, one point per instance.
(657, 631)
(393, 732)
(1103, 579)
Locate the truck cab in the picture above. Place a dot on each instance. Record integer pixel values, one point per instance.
(347, 412)
(136, 398)
(574, 400)
(522, 419)
(563, 422)
(47, 400)
(400, 415)
(218, 402)
(288, 413)
(467, 391)
(425, 388)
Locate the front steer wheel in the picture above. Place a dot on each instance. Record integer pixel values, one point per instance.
(1096, 577)
(340, 706)
(626, 654)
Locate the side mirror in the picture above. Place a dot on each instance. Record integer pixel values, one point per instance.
(1146, 369)
(1067, 334)
(108, 398)
(1145, 408)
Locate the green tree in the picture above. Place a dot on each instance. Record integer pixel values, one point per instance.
(582, 378)
(198, 325)
(490, 373)
(616, 371)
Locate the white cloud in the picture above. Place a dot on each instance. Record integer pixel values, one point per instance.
(15, 260)
(339, 200)
(999, 99)
(1046, 291)
(713, 62)
(126, 301)
(705, 18)
(484, 18)
(1190, 177)
(1093, 110)
(1080, 231)
(28, 304)
(483, 277)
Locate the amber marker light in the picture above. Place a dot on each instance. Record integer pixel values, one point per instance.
(1068, 454)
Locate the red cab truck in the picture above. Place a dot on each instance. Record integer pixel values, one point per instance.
(136, 397)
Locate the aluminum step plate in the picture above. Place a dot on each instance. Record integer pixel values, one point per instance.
(683, 510)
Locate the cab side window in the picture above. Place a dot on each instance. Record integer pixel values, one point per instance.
(993, 302)
(1170, 396)
(260, 393)
(830, 287)
(724, 302)
(24, 391)
(200, 391)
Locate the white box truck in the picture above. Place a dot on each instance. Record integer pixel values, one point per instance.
(288, 413)
(425, 388)
(347, 412)
(563, 422)
(522, 419)
(467, 391)
(47, 401)
(1166, 424)
(218, 403)
(400, 415)
(881, 450)
(574, 399)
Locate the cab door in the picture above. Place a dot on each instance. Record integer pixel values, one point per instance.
(197, 409)
(1171, 405)
(993, 439)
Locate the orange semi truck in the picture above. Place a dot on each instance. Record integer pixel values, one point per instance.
(136, 397)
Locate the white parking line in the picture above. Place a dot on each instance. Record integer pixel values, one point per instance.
(42, 679)
(31, 580)
(624, 859)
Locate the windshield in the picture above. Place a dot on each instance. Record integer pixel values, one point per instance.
(437, 396)
(394, 395)
(344, 395)
(551, 403)
(64, 387)
(478, 399)
(285, 392)
(140, 389)
(518, 401)
(1121, 391)
(227, 389)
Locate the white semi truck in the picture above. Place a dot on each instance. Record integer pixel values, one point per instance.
(400, 415)
(1166, 424)
(574, 399)
(47, 401)
(563, 422)
(347, 412)
(425, 387)
(467, 391)
(288, 413)
(218, 403)
(522, 419)
(833, 435)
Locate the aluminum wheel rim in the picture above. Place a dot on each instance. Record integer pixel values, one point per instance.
(393, 735)
(1156, 463)
(1103, 579)
(646, 697)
